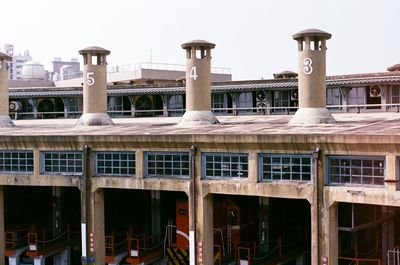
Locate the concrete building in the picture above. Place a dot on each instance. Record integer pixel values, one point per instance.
(252, 189)
(18, 60)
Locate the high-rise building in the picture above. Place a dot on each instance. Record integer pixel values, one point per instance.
(15, 70)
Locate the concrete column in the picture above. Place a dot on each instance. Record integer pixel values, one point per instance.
(314, 233)
(2, 236)
(235, 97)
(94, 87)
(391, 183)
(165, 105)
(329, 239)
(269, 102)
(384, 97)
(155, 215)
(204, 228)
(5, 120)
(96, 226)
(345, 99)
(198, 84)
(312, 78)
(139, 156)
(253, 168)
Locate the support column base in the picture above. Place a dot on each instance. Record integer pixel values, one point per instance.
(197, 118)
(94, 119)
(311, 116)
(5, 121)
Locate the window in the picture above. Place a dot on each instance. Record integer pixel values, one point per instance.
(224, 165)
(219, 103)
(333, 97)
(166, 164)
(357, 96)
(16, 161)
(115, 163)
(281, 100)
(175, 105)
(356, 170)
(394, 94)
(245, 102)
(285, 167)
(61, 162)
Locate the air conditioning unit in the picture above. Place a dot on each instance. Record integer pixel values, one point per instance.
(261, 95)
(375, 91)
(15, 106)
(294, 95)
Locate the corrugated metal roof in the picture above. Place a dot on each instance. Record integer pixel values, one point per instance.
(234, 87)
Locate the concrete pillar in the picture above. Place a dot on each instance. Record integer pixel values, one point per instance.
(264, 224)
(2, 236)
(314, 233)
(330, 234)
(391, 183)
(155, 215)
(253, 168)
(94, 87)
(312, 78)
(204, 229)
(384, 97)
(96, 227)
(165, 99)
(198, 84)
(5, 120)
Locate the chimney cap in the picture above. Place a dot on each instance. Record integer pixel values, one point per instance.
(5, 57)
(285, 74)
(94, 49)
(312, 33)
(198, 43)
(393, 68)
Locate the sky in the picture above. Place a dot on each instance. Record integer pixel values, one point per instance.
(253, 37)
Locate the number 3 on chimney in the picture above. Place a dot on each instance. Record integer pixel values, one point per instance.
(90, 78)
(307, 69)
(193, 73)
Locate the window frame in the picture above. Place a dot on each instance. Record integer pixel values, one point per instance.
(224, 154)
(351, 169)
(43, 165)
(112, 167)
(164, 175)
(291, 165)
(11, 152)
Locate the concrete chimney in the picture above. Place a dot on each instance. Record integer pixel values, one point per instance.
(5, 120)
(94, 87)
(312, 78)
(198, 84)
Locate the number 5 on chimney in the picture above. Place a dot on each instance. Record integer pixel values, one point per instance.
(90, 78)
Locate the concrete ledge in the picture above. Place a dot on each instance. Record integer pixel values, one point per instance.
(94, 119)
(197, 118)
(311, 116)
(5, 121)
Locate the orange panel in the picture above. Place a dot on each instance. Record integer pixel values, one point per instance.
(182, 225)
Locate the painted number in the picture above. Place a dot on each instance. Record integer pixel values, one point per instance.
(90, 78)
(193, 73)
(307, 69)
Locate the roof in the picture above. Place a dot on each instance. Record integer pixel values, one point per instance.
(94, 49)
(234, 86)
(5, 57)
(312, 33)
(197, 43)
(351, 128)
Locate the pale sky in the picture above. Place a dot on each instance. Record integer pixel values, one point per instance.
(252, 37)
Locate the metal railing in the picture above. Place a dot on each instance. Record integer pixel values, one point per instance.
(238, 111)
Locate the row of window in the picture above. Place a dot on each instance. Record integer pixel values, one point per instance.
(273, 167)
